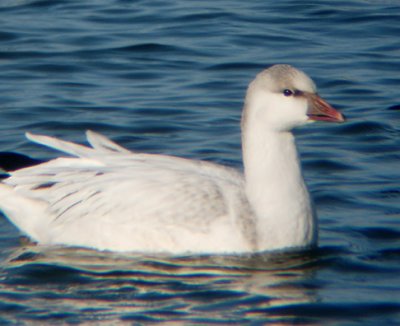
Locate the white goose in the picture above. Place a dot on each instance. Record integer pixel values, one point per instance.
(109, 198)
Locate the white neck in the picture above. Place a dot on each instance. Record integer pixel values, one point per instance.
(275, 188)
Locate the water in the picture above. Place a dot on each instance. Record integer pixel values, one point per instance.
(169, 77)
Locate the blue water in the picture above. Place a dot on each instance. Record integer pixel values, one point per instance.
(169, 77)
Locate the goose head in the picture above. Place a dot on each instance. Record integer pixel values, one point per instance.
(283, 97)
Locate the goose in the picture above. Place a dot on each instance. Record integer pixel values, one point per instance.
(109, 198)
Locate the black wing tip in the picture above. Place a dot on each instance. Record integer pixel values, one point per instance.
(10, 161)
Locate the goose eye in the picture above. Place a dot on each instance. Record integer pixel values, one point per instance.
(287, 92)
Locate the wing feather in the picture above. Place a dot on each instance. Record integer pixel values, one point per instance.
(101, 143)
(151, 199)
(61, 145)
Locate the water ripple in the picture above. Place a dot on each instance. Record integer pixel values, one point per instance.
(169, 77)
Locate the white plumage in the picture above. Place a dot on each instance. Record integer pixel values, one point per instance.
(109, 198)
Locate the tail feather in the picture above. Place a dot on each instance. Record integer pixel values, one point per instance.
(28, 214)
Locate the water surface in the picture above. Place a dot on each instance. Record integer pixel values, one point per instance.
(169, 77)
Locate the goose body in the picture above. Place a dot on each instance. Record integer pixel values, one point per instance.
(109, 198)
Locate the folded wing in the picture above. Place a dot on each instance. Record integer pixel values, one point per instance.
(107, 197)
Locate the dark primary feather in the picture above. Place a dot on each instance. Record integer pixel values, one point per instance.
(10, 161)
